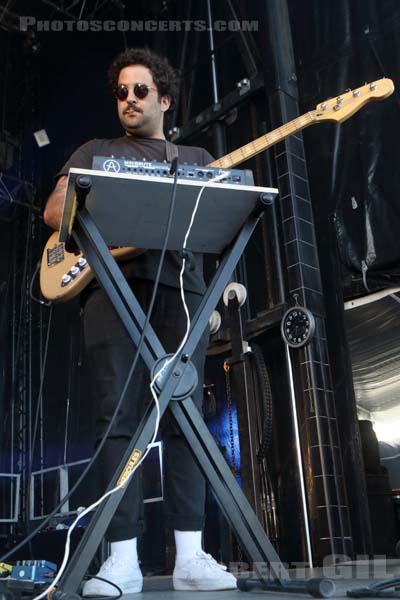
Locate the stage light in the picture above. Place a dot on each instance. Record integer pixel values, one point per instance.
(41, 137)
(386, 424)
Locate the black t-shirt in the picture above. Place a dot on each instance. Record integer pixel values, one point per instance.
(145, 266)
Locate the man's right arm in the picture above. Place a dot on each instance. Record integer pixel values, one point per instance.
(54, 206)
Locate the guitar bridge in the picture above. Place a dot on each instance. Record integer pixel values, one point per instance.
(55, 255)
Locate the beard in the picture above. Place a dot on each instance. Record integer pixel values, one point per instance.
(138, 125)
(132, 121)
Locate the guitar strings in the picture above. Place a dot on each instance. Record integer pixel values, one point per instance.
(265, 141)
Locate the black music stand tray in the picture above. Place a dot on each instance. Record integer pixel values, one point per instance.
(225, 220)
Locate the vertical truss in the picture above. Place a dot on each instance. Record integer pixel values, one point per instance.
(26, 319)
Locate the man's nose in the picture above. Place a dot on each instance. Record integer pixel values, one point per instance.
(131, 96)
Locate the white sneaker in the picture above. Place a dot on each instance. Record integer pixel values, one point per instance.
(202, 573)
(126, 576)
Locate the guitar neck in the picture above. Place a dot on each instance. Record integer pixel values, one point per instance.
(265, 141)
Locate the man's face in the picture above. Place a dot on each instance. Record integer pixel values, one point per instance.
(142, 118)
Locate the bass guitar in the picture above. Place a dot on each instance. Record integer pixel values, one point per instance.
(63, 275)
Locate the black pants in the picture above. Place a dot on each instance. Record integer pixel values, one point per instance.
(110, 352)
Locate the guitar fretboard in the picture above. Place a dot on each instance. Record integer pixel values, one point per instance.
(265, 141)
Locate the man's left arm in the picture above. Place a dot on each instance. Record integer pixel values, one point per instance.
(55, 203)
(81, 158)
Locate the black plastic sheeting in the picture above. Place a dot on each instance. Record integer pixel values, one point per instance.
(373, 333)
(353, 167)
(375, 353)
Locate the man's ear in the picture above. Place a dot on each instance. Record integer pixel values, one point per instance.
(165, 103)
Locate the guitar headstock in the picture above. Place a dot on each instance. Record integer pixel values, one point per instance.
(344, 106)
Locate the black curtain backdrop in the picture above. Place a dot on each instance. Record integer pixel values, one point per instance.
(353, 170)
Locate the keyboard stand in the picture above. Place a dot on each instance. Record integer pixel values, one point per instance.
(270, 572)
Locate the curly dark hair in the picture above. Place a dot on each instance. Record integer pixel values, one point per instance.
(164, 76)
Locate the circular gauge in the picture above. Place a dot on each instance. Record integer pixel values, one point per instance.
(298, 326)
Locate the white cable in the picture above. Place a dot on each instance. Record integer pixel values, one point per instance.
(92, 506)
(153, 393)
(188, 322)
(196, 206)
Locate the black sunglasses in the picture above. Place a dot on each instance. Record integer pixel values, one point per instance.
(140, 90)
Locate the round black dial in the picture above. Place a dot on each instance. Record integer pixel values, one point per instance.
(298, 326)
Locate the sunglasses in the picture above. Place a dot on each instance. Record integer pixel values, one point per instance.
(140, 91)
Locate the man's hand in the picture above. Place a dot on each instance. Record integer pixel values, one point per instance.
(54, 206)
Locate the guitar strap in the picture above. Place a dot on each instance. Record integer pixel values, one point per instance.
(171, 151)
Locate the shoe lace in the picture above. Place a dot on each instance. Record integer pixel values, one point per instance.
(116, 563)
(207, 559)
(109, 563)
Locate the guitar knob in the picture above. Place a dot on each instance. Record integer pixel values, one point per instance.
(324, 106)
(65, 279)
(82, 262)
(339, 100)
(356, 93)
(74, 271)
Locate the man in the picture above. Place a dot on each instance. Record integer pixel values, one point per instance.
(145, 86)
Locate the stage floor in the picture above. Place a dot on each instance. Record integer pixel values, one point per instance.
(347, 576)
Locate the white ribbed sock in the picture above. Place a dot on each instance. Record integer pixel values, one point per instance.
(126, 550)
(187, 544)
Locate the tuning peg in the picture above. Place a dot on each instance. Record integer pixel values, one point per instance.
(372, 86)
(356, 93)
